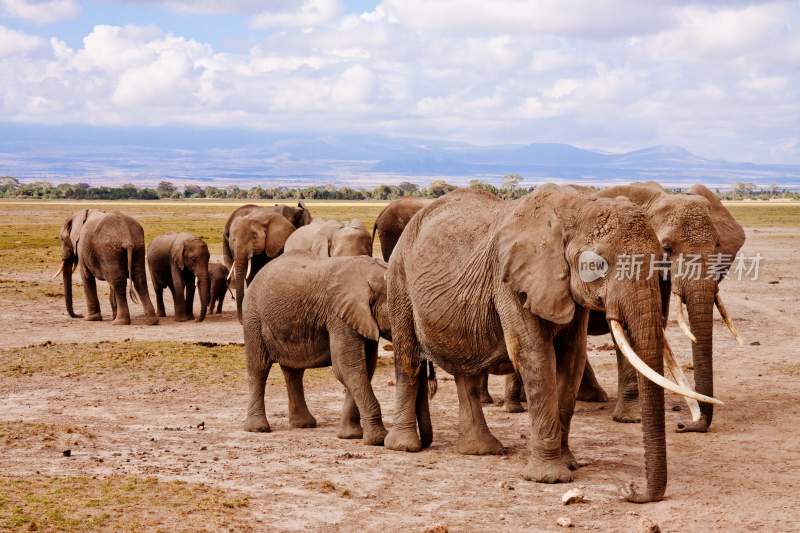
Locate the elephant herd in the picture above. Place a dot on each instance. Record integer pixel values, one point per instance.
(469, 283)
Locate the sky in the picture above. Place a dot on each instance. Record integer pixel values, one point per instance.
(719, 77)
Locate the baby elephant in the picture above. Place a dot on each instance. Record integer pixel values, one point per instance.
(305, 311)
(175, 260)
(219, 286)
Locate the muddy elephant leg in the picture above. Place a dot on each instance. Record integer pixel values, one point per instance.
(112, 299)
(474, 437)
(484, 392)
(179, 297)
(189, 282)
(162, 311)
(349, 359)
(122, 316)
(258, 366)
(299, 415)
(350, 425)
(590, 390)
(219, 305)
(627, 409)
(570, 349)
(514, 393)
(90, 290)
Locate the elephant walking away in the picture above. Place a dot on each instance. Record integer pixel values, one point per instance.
(253, 235)
(177, 261)
(331, 238)
(304, 311)
(478, 284)
(391, 222)
(218, 273)
(110, 247)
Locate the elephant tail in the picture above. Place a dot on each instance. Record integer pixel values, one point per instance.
(131, 292)
(374, 228)
(433, 385)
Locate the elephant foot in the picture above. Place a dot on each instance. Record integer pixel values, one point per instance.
(547, 471)
(162, 314)
(94, 317)
(592, 394)
(479, 443)
(181, 318)
(568, 459)
(302, 420)
(375, 436)
(402, 440)
(122, 321)
(350, 430)
(627, 412)
(257, 424)
(513, 406)
(486, 397)
(701, 426)
(200, 318)
(151, 320)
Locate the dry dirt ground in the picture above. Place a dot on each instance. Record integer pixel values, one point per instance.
(152, 417)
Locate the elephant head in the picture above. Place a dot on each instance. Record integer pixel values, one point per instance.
(359, 295)
(70, 235)
(257, 235)
(298, 216)
(351, 239)
(561, 249)
(192, 253)
(699, 237)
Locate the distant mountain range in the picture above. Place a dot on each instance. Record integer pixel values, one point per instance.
(144, 156)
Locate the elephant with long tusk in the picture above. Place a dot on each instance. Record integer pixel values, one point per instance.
(477, 285)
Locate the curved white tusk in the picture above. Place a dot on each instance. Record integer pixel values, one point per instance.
(680, 378)
(727, 319)
(60, 270)
(649, 373)
(230, 274)
(249, 266)
(74, 267)
(682, 319)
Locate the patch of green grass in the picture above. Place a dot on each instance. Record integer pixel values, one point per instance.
(766, 216)
(198, 363)
(118, 503)
(29, 234)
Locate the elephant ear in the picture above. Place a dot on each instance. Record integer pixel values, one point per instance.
(303, 217)
(352, 298)
(277, 231)
(176, 253)
(731, 235)
(530, 245)
(71, 230)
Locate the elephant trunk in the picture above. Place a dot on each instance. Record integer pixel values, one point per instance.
(643, 321)
(699, 298)
(239, 274)
(66, 276)
(204, 289)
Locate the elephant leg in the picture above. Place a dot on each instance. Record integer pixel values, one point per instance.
(474, 437)
(190, 286)
(514, 393)
(484, 392)
(90, 290)
(219, 305)
(162, 311)
(350, 425)
(570, 349)
(122, 316)
(627, 409)
(112, 299)
(410, 372)
(178, 297)
(590, 390)
(349, 359)
(258, 366)
(139, 279)
(299, 415)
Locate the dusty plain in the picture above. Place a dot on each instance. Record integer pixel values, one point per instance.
(152, 416)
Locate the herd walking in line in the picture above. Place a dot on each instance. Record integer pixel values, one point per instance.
(468, 283)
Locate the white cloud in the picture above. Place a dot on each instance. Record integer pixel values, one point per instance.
(308, 14)
(39, 11)
(423, 69)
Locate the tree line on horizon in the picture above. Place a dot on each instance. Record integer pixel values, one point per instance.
(509, 189)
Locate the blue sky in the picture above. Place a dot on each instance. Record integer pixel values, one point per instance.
(721, 78)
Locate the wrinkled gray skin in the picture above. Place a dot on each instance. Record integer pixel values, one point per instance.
(686, 224)
(331, 238)
(304, 311)
(476, 283)
(110, 247)
(218, 273)
(255, 235)
(177, 262)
